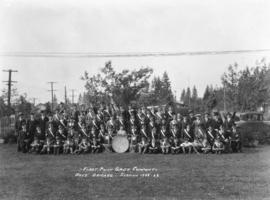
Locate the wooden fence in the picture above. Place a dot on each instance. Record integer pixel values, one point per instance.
(7, 126)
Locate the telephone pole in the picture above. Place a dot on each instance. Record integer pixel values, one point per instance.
(65, 95)
(52, 90)
(9, 83)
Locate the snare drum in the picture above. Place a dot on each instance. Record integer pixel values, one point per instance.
(120, 144)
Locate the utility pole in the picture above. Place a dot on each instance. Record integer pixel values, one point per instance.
(72, 95)
(9, 83)
(65, 95)
(52, 90)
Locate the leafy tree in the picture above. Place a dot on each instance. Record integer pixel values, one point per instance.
(4, 109)
(230, 82)
(121, 88)
(14, 95)
(22, 105)
(245, 89)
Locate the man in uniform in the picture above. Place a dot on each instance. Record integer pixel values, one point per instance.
(42, 122)
(31, 124)
(207, 121)
(18, 127)
(24, 139)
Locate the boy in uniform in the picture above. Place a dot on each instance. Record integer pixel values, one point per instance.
(61, 133)
(57, 146)
(174, 133)
(35, 145)
(84, 146)
(175, 146)
(143, 133)
(143, 145)
(187, 139)
(225, 139)
(76, 145)
(211, 135)
(68, 145)
(236, 143)
(206, 147)
(24, 139)
(39, 134)
(42, 123)
(165, 145)
(47, 146)
(153, 147)
(50, 131)
(163, 132)
(107, 140)
(218, 146)
(95, 146)
(133, 139)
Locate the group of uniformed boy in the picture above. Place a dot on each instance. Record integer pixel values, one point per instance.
(148, 130)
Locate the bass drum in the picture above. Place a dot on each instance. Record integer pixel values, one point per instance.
(120, 144)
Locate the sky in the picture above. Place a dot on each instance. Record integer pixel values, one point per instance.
(105, 26)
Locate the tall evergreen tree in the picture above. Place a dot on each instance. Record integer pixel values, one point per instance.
(183, 95)
(166, 89)
(194, 93)
(188, 96)
(166, 82)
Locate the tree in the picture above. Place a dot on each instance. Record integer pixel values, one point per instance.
(206, 93)
(211, 101)
(121, 88)
(154, 96)
(80, 99)
(22, 105)
(14, 95)
(230, 82)
(4, 109)
(188, 97)
(183, 95)
(245, 90)
(194, 96)
(166, 88)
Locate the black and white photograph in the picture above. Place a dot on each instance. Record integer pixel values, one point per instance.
(134, 99)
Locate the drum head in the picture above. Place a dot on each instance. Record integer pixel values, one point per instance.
(120, 144)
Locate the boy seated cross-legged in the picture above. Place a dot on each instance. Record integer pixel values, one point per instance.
(218, 146)
(68, 146)
(47, 146)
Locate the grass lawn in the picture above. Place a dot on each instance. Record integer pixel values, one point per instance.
(228, 176)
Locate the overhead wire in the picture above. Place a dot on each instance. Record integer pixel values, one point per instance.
(124, 54)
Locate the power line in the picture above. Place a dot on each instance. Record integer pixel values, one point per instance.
(125, 54)
(52, 90)
(9, 84)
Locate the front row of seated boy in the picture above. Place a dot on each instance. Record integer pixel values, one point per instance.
(164, 146)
